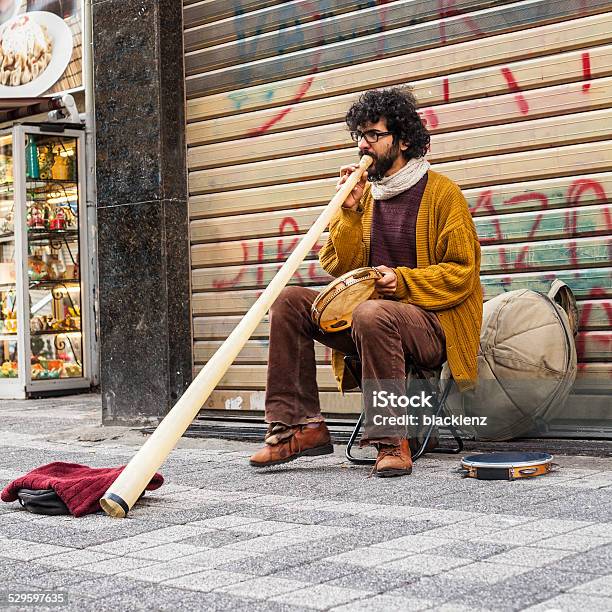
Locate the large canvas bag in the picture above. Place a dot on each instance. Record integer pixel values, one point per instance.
(526, 364)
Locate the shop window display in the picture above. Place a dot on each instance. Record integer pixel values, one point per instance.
(41, 242)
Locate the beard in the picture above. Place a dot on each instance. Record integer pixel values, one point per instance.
(382, 163)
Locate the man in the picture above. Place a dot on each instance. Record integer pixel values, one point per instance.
(414, 226)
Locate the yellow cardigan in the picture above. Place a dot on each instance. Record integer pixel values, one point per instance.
(446, 279)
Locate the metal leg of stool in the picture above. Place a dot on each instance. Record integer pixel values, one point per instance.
(440, 408)
(349, 362)
(351, 441)
(458, 440)
(453, 430)
(421, 450)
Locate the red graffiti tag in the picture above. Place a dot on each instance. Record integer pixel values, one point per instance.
(586, 71)
(526, 197)
(575, 191)
(595, 294)
(513, 86)
(446, 90)
(262, 129)
(484, 202)
(579, 186)
(446, 9)
(429, 118)
(232, 282)
(303, 89)
(585, 315)
(284, 248)
(260, 256)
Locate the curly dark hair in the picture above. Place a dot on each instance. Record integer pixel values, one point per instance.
(399, 108)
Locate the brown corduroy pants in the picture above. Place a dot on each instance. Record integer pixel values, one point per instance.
(385, 334)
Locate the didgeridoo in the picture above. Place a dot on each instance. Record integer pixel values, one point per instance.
(130, 484)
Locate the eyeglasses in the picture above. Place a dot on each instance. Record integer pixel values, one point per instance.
(371, 136)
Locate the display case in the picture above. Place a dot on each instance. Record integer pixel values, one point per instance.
(45, 333)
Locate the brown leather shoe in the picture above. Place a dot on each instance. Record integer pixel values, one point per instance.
(393, 460)
(305, 441)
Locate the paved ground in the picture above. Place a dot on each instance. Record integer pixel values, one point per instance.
(316, 534)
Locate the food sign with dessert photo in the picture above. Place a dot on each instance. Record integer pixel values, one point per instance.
(40, 47)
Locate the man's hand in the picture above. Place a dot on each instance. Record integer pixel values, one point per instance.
(387, 285)
(353, 199)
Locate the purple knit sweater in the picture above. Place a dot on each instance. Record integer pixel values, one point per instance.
(393, 238)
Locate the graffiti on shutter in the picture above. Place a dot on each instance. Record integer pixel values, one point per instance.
(516, 96)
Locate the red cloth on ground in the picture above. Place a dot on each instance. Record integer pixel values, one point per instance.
(80, 487)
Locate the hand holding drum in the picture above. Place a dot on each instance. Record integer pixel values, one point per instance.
(128, 487)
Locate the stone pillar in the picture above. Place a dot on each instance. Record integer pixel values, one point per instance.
(143, 230)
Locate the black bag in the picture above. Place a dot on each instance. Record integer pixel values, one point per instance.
(42, 501)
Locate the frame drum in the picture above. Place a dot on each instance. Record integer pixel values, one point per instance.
(333, 308)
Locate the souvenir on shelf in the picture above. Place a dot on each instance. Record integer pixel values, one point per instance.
(73, 370)
(36, 217)
(40, 372)
(42, 323)
(37, 269)
(73, 320)
(46, 159)
(36, 324)
(31, 151)
(6, 168)
(58, 220)
(56, 268)
(60, 170)
(72, 271)
(59, 326)
(9, 321)
(8, 369)
(9, 314)
(6, 223)
(71, 218)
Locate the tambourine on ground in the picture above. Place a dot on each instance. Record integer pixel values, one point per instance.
(507, 466)
(333, 308)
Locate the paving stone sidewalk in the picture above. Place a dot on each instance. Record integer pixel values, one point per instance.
(316, 534)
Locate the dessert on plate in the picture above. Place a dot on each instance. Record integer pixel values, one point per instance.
(25, 51)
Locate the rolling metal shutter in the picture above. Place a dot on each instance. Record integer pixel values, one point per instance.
(517, 96)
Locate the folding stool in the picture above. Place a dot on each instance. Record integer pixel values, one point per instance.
(353, 364)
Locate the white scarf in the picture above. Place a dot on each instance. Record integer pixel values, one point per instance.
(409, 175)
